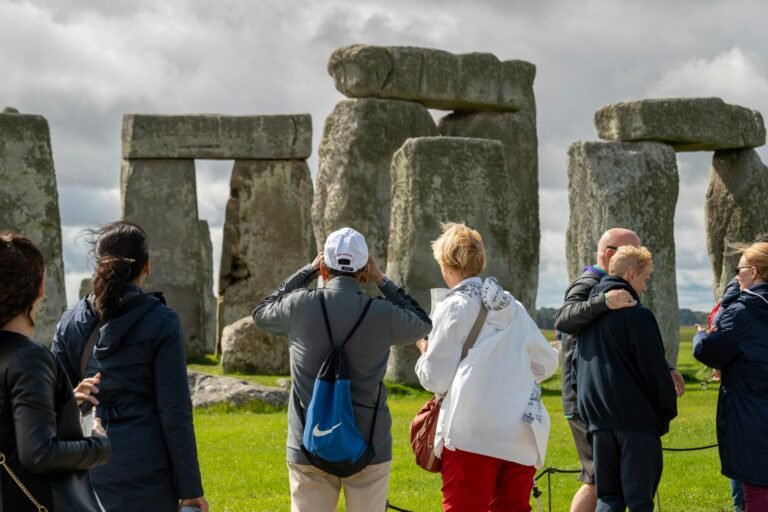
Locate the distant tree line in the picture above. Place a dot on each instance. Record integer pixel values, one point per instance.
(545, 317)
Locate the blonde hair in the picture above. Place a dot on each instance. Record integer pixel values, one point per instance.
(629, 257)
(757, 256)
(460, 248)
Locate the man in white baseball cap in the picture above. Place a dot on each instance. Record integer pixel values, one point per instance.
(295, 311)
(346, 251)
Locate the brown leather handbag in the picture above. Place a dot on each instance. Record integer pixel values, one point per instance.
(424, 425)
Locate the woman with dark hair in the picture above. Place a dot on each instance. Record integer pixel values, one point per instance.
(43, 454)
(133, 342)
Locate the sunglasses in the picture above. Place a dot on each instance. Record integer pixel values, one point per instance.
(737, 270)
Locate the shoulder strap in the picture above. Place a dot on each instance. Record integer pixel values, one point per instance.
(475, 331)
(354, 328)
(88, 349)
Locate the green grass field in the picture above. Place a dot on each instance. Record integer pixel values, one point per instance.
(243, 453)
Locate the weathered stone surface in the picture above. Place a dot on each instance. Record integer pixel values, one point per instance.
(434, 78)
(246, 348)
(734, 208)
(688, 124)
(209, 299)
(29, 204)
(446, 179)
(216, 136)
(161, 197)
(632, 185)
(353, 183)
(208, 390)
(517, 132)
(86, 287)
(10, 110)
(267, 233)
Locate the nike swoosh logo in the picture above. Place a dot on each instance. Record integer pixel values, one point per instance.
(320, 433)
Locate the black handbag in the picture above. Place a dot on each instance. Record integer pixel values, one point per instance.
(74, 492)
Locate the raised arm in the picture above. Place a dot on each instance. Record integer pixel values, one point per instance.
(273, 314)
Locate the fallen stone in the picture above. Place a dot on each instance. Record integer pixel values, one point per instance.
(284, 384)
(687, 124)
(517, 132)
(29, 205)
(632, 185)
(161, 197)
(734, 209)
(446, 179)
(209, 390)
(267, 232)
(434, 78)
(217, 136)
(353, 183)
(246, 348)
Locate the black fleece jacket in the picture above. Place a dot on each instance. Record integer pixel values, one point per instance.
(622, 378)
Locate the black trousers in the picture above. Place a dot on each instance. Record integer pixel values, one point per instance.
(628, 469)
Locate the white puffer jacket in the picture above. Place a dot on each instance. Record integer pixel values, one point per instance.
(483, 410)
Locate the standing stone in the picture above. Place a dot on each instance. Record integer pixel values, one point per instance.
(353, 183)
(517, 132)
(209, 299)
(446, 179)
(734, 208)
(216, 136)
(434, 78)
(688, 124)
(635, 186)
(161, 197)
(267, 235)
(29, 204)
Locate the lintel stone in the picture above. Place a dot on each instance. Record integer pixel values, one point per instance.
(215, 136)
(434, 78)
(687, 124)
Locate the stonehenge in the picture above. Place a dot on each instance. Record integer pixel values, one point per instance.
(29, 204)
(394, 170)
(158, 191)
(631, 181)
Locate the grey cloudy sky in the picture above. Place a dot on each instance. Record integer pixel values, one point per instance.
(83, 63)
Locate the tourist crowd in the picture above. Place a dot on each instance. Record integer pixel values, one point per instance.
(103, 420)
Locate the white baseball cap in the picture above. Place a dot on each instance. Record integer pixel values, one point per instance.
(346, 250)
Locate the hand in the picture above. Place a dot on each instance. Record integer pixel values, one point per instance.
(195, 502)
(679, 382)
(86, 389)
(617, 299)
(316, 262)
(716, 375)
(374, 272)
(422, 345)
(98, 428)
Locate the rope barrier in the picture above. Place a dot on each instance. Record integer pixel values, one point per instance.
(690, 449)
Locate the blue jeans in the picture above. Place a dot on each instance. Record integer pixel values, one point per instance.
(737, 493)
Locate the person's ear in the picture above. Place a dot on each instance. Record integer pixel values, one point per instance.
(147, 268)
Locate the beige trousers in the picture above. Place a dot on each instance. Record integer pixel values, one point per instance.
(314, 490)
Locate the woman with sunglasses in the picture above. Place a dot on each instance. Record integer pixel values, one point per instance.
(737, 345)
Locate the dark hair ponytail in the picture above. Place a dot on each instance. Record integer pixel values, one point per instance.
(120, 253)
(22, 269)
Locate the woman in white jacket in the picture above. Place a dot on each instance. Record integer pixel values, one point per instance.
(492, 431)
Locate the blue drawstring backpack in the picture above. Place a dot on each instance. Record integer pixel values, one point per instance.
(332, 441)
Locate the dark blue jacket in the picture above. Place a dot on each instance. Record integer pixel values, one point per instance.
(739, 348)
(144, 402)
(622, 378)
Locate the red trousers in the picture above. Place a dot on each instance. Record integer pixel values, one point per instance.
(478, 483)
(755, 498)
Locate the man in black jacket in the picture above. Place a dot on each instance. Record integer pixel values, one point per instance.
(577, 312)
(624, 390)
